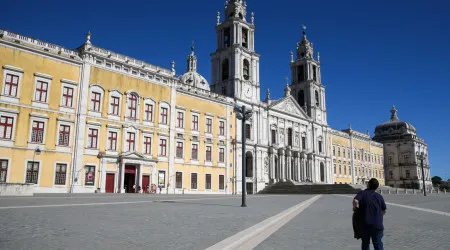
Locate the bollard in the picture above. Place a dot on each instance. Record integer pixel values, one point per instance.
(414, 191)
(396, 191)
(438, 190)
(389, 191)
(406, 191)
(445, 191)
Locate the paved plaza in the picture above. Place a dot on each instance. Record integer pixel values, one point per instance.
(97, 221)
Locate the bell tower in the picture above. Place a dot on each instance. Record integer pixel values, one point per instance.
(235, 65)
(307, 87)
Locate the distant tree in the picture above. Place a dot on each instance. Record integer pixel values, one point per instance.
(436, 180)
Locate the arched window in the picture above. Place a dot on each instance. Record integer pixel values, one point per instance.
(246, 70)
(225, 69)
(301, 98)
(317, 99)
(245, 38)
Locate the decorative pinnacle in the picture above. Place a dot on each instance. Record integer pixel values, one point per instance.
(304, 29)
(88, 37)
(218, 17)
(268, 94)
(318, 56)
(253, 17)
(292, 56)
(350, 126)
(394, 113)
(192, 48)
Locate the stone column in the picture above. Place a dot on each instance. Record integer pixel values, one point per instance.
(282, 166)
(288, 164)
(271, 165)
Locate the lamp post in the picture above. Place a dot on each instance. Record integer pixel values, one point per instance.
(244, 115)
(37, 151)
(422, 157)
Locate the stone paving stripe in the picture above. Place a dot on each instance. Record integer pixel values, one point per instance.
(412, 207)
(253, 236)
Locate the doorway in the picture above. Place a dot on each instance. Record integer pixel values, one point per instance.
(145, 183)
(249, 188)
(129, 179)
(109, 188)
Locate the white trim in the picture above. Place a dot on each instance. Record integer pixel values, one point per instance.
(38, 118)
(147, 134)
(8, 167)
(42, 75)
(126, 130)
(46, 79)
(13, 71)
(84, 174)
(65, 119)
(8, 110)
(99, 89)
(182, 180)
(224, 183)
(114, 93)
(39, 174)
(211, 182)
(67, 174)
(39, 115)
(64, 148)
(190, 181)
(70, 82)
(4, 112)
(12, 68)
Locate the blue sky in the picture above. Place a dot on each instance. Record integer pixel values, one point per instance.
(373, 53)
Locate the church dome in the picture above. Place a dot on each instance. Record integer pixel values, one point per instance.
(192, 77)
(394, 127)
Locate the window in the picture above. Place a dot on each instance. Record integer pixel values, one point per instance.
(339, 151)
(208, 125)
(115, 105)
(390, 159)
(11, 85)
(343, 152)
(340, 169)
(32, 175)
(408, 174)
(131, 141)
(334, 151)
(245, 38)
(290, 137)
(301, 98)
(41, 91)
(226, 37)
(273, 133)
(246, 70)
(37, 134)
(248, 131)
(315, 73)
(320, 146)
(317, 98)
(193, 180)
(163, 115)
(221, 155)
(221, 128)
(89, 175)
(300, 73)
(147, 145)
(163, 147)
(348, 153)
(6, 127)
(92, 138)
(132, 106)
(194, 153)
(221, 182)
(60, 174)
(303, 142)
(95, 101)
(225, 70)
(208, 153)
(354, 154)
(64, 135)
(180, 119)
(208, 181)
(112, 141)
(224, 90)
(179, 180)
(345, 170)
(405, 158)
(67, 98)
(149, 112)
(3, 170)
(179, 150)
(195, 122)
(391, 175)
(334, 168)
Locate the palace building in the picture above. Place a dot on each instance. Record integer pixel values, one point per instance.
(89, 119)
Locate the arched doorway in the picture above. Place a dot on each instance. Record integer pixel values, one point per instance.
(249, 164)
(322, 172)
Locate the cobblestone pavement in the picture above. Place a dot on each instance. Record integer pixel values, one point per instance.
(197, 222)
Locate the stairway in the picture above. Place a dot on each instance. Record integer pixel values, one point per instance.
(289, 187)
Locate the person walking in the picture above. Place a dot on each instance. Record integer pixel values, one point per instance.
(371, 209)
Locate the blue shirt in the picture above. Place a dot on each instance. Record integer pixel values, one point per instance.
(371, 205)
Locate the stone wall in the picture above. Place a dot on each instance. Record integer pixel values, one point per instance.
(16, 189)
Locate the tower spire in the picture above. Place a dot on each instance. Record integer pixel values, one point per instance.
(192, 60)
(394, 116)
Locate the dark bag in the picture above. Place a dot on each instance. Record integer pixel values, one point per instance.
(357, 223)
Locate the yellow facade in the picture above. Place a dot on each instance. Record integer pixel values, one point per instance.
(356, 158)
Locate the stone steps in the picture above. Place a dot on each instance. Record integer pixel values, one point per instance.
(288, 187)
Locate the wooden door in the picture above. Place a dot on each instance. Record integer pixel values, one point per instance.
(145, 183)
(109, 188)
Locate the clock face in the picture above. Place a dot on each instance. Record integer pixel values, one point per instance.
(247, 91)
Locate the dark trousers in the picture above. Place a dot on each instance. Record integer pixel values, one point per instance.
(376, 236)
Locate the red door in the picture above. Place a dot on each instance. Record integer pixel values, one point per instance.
(145, 183)
(109, 188)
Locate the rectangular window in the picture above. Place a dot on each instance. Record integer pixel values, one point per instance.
(132, 106)
(221, 155)
(147, 145)
(131, 141)
(194, 153)
(391, 175)
(179, 180)
(303, 142)
(3, 170)
(148, 112)
(315, 73)
(163, 147)
(195, 122)
(339, 152)
(208, 181)
(95, 101)
(180, 119)
(112, 141)
(245, 38)
(221, 128)
(227, 37)
(37, 134)
(221, 182)
(89, 175)
(248, 130)
(343, 152)
(208, 153)
(41, 91)
(60, 174)
(193, 180)
(92, 138)
(208, 125)
(300, 73)
(179, 150)
(408, 174)
(115, 105)
(162, 178)
(273, 134)
(67, 98)
(334, 167)
(290, 137)
(11, 85)
(64, 135)
(345, 170)
(163, 115)
(32, 175)
(320, 146)
(6, 127)
(334, 151)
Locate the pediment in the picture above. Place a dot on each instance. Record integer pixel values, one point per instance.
(289, 106)
(135, 156)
